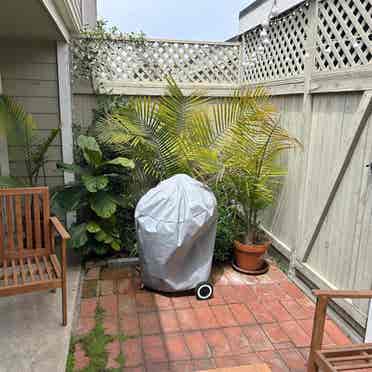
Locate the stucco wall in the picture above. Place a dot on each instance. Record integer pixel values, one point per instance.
(29, 74)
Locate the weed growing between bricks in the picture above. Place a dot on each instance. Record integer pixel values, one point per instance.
(94, 345)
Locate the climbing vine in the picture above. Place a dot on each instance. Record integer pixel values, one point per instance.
(93, 44)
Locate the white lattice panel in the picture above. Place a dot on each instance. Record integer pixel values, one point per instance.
(344, 34)
(284, 53)
(187, 62)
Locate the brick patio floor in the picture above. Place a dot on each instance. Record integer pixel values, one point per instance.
(250, 319)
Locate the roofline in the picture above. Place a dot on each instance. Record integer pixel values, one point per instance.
(251, 7)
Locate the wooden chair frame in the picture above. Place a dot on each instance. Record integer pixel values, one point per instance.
(337, 358)
(28, 261)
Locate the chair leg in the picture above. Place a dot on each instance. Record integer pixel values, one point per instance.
(64, 302)
(311, 366)
(64, 284)
(318, 332)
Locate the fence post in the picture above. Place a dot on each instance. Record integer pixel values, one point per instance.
(241, 60)
(307, 107)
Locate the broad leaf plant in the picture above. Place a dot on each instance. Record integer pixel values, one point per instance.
(95, 196)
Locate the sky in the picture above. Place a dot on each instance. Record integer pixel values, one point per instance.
(212, 20)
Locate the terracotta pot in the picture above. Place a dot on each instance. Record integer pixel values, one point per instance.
(249, 257)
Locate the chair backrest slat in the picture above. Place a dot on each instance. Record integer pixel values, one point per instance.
(24, 222)
(37, 227)
(19, 223)
(9, 222)
(46, 211)
(28, 218)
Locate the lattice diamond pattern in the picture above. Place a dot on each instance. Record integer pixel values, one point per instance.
(343, 39)
(283, 56)
(186, 62)
(344, 34)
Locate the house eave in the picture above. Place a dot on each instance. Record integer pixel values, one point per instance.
(65, 16)
(70, 13)
(251, 7)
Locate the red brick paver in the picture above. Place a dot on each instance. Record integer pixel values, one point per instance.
(81, 359)
(88, 307)
(168, 321)
(249, 320)
(113, 351)
(132, 351)
(154, 349)
(85, 325)
(176, 347)
(197, 345)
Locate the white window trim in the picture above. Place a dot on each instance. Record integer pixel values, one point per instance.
(65, 112)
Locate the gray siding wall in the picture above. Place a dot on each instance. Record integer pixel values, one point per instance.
(29, 74)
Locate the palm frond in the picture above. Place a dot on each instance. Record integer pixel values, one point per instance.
(176, 110)
(16, 121)
(38, 156)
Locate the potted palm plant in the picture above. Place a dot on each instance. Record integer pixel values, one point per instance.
(240, 143)
(253, 169)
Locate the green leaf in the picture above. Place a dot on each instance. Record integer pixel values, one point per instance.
(102, 204)
(120, 200)
(79, 235)
(108, 240)
(70, 198)
(101, 236)
(123, 162)
(95, 183)
(73, 168)
(91, 150)
(115, 245)
(93, 227)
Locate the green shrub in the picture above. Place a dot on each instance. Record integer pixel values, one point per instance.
(96, 196)
(228, 225)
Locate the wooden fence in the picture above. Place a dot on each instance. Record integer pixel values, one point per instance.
(323, 218)
(318, 67)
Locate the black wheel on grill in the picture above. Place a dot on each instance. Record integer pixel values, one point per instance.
(204, 291)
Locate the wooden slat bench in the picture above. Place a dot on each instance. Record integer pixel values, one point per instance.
(345, 358)
(28, 261)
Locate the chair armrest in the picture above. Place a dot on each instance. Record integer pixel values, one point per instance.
(342, 294)
(59, 228)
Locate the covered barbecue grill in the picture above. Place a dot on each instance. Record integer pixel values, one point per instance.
(176, 228)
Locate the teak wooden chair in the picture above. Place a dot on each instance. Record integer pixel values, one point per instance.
(28, 261)
(345, 358)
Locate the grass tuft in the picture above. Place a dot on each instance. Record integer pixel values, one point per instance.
(94, 344)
